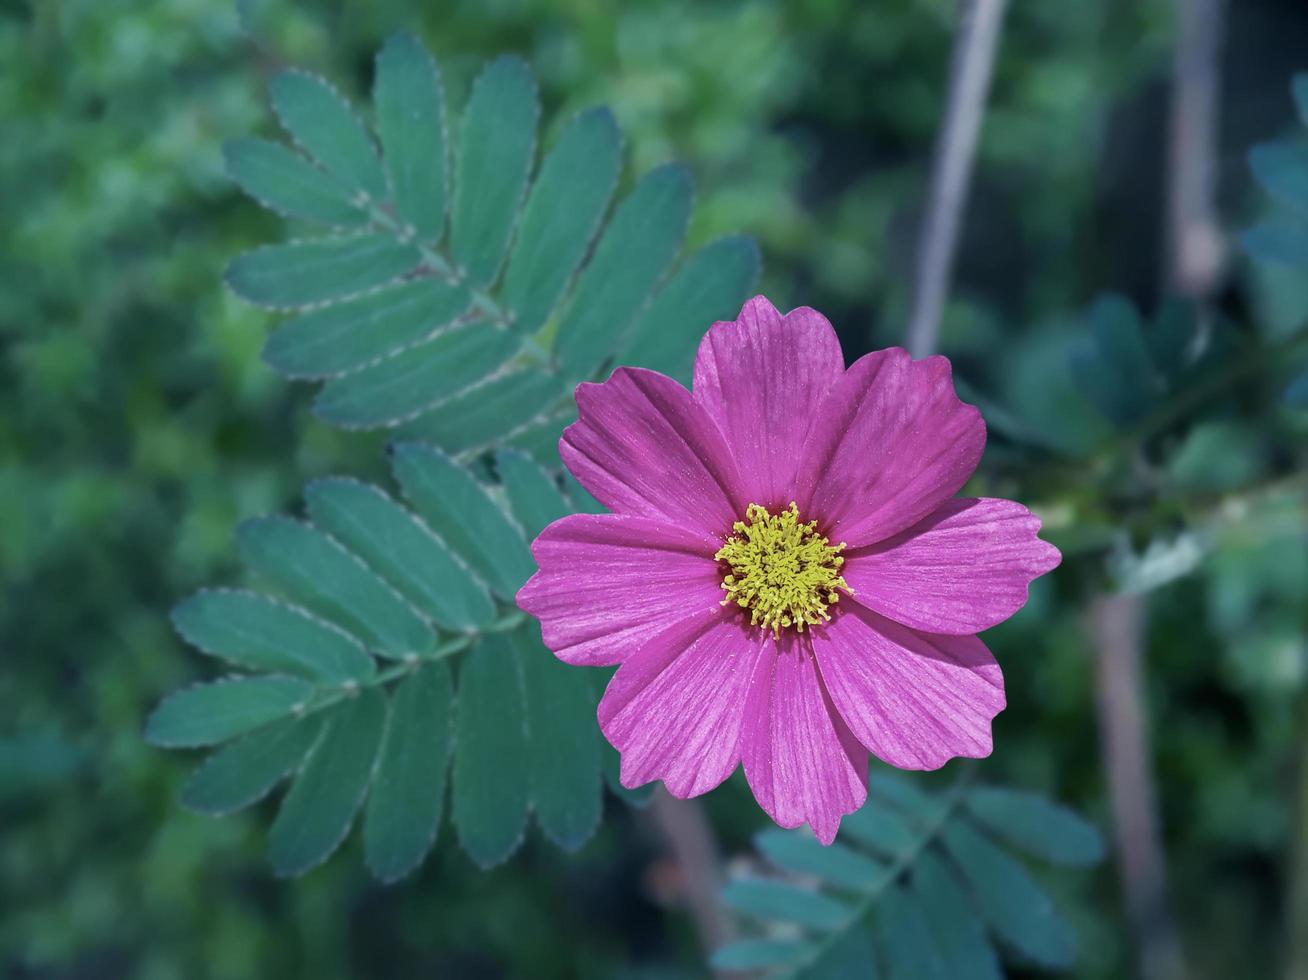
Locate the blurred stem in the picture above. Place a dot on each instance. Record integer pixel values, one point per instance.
(1195, 248)
(969, 81)
(1116, 624)
(691, 845)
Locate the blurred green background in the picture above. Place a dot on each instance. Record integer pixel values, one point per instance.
(138, 425)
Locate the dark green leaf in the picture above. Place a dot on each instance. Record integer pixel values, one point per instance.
(638, 245)
(496, 141)
(881, 828)
(491, 771)
(320, 120)
(908, 949)
(1278, 242)
(486, 414)
(532, 493)
(1296, 393)
(711, 285)
(956, 931)
(359, 332)
(246, 771)
(1019, 912)
(206, 714)
(755, 954)
(317, 813)
(416, 379)
(463, 513)
(1114, 369)
(402, 550)
(1282, 168)
(564, 750)
(900, 793)
(404, 808)
(1033, 824)
(834, 863)
(765, 898)
(316, 571)
(846, 955)
(580, 497)
(411, 124)
(561, 217)
(260, 633)
(283, 181)
(309, 272)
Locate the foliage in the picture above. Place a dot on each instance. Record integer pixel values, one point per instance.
(917, 883)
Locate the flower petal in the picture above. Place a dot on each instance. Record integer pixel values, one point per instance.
(641, 446)
(607, 580)
(761, 378)
(891, 443)
(915, 700)
(962, 570)
(674, 710)
(801, 760)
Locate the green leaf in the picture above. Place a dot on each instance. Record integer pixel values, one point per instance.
(580, 497)
(907, 947)
(835, 863)
(564, 750)
(496, 142)
(533, 494)
(463, 513)
(764, 898)
(956, 931)
(318, 271)
(359, 332)
(1296, 392)
(404, 808)
(260, 633)
(491, 771)
(1299, 89)
(1019, 912)
(1114, 369)
(711, 285)
(881, 828)
(206, 714)
(1278, 242)
(283, 181)
(320, 121)
(639, 244)
(411, 124)
(317, 813)
(402, 550)
(540, 439)
(416, 379)
(756, 954)
(246, 771)
(850, 953)
(1282, 169)
(561, 217)
(488, 413)
(316, 571)
(900, 793)
(1033, 824)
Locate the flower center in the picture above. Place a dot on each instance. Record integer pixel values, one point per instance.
(782, 571)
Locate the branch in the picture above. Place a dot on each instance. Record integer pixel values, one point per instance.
(1195, 246)
(1116, 624)
(969, 81)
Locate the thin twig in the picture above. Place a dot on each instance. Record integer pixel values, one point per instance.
(969, 81)
(692, 847)
(1116, 625)
(1195, 247)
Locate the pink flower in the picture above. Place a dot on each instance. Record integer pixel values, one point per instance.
(786, 577)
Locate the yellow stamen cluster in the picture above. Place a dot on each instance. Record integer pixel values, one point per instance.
(782, 571)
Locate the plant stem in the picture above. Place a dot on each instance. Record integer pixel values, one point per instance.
(969, 81)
